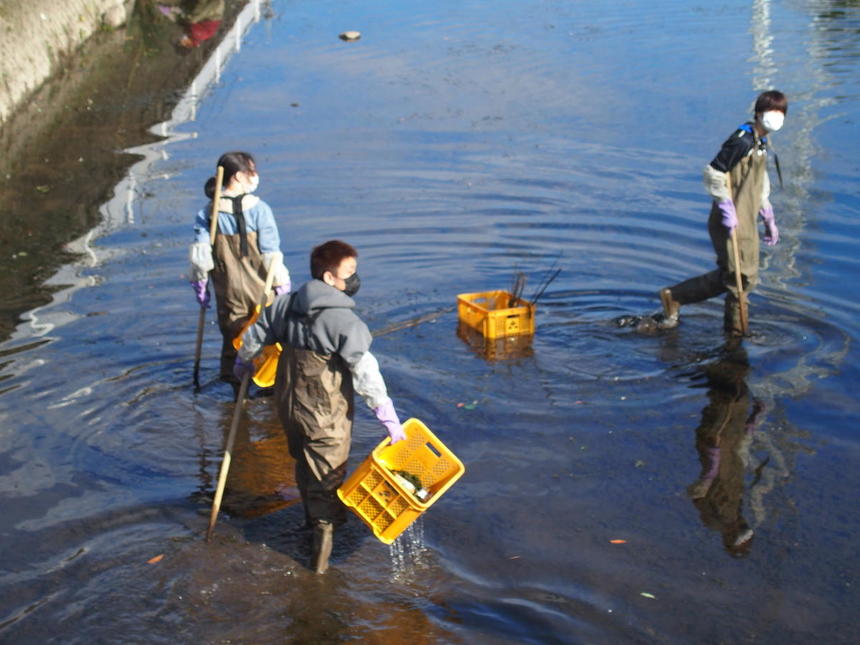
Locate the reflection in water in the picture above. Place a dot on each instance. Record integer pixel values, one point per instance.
(722, 441)
(64, 143)
(569, 446)
(261, 471)
(496, 349)
(199, 19)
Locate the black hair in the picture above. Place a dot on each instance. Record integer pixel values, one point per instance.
(769, 101)
(328, 256)
(232, 162)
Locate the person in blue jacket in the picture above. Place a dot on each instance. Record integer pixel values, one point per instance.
(246, 241)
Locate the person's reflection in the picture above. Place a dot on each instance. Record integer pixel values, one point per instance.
(200, 19)
(261, 478)
(722, 440)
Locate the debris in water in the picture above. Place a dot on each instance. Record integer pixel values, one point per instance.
(350, 35)
(468, 406)
(627, 321)
(618, 541)
(645, 594)
(156, 559)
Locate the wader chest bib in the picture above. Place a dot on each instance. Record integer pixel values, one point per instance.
(747, 179)
(314, 395)
(238, 282)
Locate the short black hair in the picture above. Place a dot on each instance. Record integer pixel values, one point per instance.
(328, 256)
(771, 100)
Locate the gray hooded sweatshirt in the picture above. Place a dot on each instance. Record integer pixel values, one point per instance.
(322, 319)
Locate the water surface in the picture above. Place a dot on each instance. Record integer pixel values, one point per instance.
(455, 144)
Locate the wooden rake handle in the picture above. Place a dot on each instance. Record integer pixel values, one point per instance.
(739, 285)
(201, 321)
(237, 414)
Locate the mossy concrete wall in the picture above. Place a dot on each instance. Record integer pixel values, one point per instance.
(37, 36)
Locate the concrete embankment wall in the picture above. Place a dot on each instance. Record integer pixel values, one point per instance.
(37, 36)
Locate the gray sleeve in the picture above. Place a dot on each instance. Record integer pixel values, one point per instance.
(270, 328)
(354, 341)
(282, 275)
(715, 183)
(368, 382)
(765, 189)
(200, 255)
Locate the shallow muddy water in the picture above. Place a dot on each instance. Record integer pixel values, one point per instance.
(455, 144)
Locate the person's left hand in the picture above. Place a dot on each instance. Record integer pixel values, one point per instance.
(241, 368)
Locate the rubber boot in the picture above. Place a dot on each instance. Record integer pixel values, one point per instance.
(671, 310)
(322, 543)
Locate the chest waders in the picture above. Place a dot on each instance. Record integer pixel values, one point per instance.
(238, 278)
(747, 179)
(315, 400)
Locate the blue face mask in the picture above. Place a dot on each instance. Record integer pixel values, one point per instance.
(352, 284)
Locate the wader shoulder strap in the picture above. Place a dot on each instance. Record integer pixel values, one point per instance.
(239, 215)
(241, 226)
(763, 142)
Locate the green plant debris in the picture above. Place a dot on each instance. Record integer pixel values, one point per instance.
(415, 480)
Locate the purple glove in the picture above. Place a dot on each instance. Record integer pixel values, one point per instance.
(388, 417)
(241, 368)
(730, 215)
(713, 465)
(201, 291)
(771, 232)
(282, 289)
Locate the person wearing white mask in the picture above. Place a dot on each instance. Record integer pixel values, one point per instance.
(741, 163)
(246, 241)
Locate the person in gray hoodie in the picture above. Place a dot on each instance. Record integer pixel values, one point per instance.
(325, 360)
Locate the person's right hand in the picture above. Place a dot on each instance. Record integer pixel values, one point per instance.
(388, 417)
(729, 214)
(201, 292)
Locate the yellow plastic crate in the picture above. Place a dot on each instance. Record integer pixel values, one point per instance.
(266, 362)
(489, 313)
(374, 493)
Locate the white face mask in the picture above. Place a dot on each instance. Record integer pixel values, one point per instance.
(254, 183)
(772, 120)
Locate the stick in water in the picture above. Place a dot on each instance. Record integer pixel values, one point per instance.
(201, 321)
(742, 298)
(237, 414)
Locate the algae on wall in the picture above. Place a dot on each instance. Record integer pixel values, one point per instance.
(38, 35)
(62, 150)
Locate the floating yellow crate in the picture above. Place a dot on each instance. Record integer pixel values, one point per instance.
(496, 313)
(382, 499)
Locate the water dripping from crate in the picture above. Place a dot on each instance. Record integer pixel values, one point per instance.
(408, 552)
